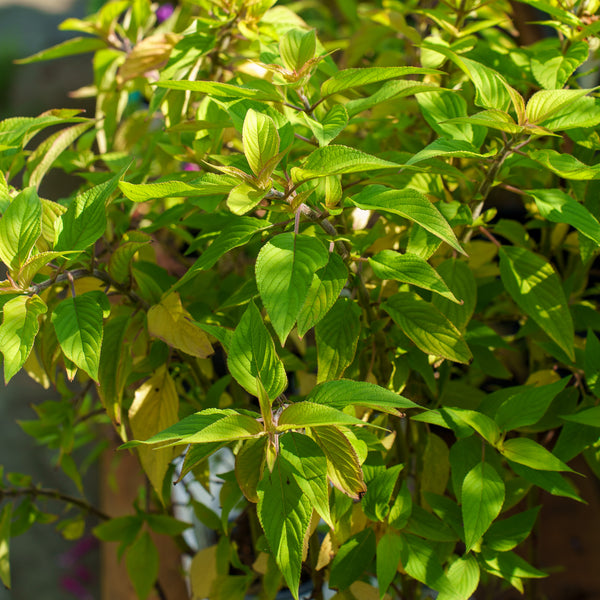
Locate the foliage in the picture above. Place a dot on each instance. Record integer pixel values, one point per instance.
(291, 229)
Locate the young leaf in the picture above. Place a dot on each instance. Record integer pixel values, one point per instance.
(326, 285)
(260, 139)
(284, 271)
(337, 336)
(552, 68)
(308, 414)
(376, 502)
(18, 330)
(338, 160)
(170, 322)
(284, 512)
(353, 557)
(252, 357)
(154, 408)
(78, 323)
(249, 464)
(558, 207)
(409, 268)
(546, 104)
(536, 289)
(308, 465)
(142, 565)
(216, 89)
(332, 124)
(20, 227)
(482, 499)
(343, 468)
(120, 260)
(297, 47)
(342, 393)
(428, 328)
(409, 204)
(529, 453)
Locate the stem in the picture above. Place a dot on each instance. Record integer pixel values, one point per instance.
(489, 236)
(55, 495)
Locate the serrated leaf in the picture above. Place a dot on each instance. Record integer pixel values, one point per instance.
(492, 119)
(18, 330)
(410, 268)
(482, 499)
(120, 259)
(284, 512)
(343, 468)
(142, 565)
(342, 393)
(509, 566)
(506, 534)
(249, 464)
(154, 408)
(284, 272)
(426, 327)
(5, 521)
(338, 160)
(551, 481)
(20, 227)
(325, 287)
(463, 577)
(78, 323)
(337, 336)
(376, 502)
(216, 89)
(537, 290)
(546, 104)
(527, 406)
(565, 165)
(309, 414)
(353, 557)
(440, 107)
(170, 322)
(208, 184)
(409, 204)
(525, 451)
(31, 267)
(78, 45)
(332, 124)
(351, 78)
(443, 147)
(583, 112)
(387, 560)
(308, 465)
(552, 68)
(85, 219)
(260, 140)
(252, 356)
(558, 207)
(297, 47)
(460, 279)
(479, 422)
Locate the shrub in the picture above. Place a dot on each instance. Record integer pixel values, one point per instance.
(355, 255)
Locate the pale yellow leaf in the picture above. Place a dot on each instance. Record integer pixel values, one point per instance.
(203, 572)
(326, 552)
(155, 407)
(170, 322)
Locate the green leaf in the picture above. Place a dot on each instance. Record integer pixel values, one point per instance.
(78, 45)
(284, 271)
(308, 414)
(252, 356)
(565, 165)
(558, 207)
(249, 464)
(376, 502)
(460, 279)
(482, 499)
(587, 416)
(401, 508)
(482, 424)
(552, 68)
(442, 148)
(326, 285)
(410, 268)
(243, 198)
(409, 204)
(491, 118)
(297, 47)
(337, 336)
(215, 89)
(208, 184)
(284, 512)
(78, 323)
(20, 227)
(426, 327)
(506, 534)
(525, 451)
(351, 78)
(18, 330)
(591, 366)
(439, 107)
(36, 263)
(342, 393)
(463, 577)
(332, 124)
(338, 160)
(260, 139)
(509, 566)
(343, 468)
(582, 112)
(5, 521)
(387, 560)
(308, 465)
(551, 481)
(528, 406)
(353, 557)
(549, 103)
(85, 219)
(537, 290)
(120, 260)
(142, 565)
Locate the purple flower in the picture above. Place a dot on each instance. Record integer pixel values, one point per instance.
(164, 11)
(190, 167)
(74, 587)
